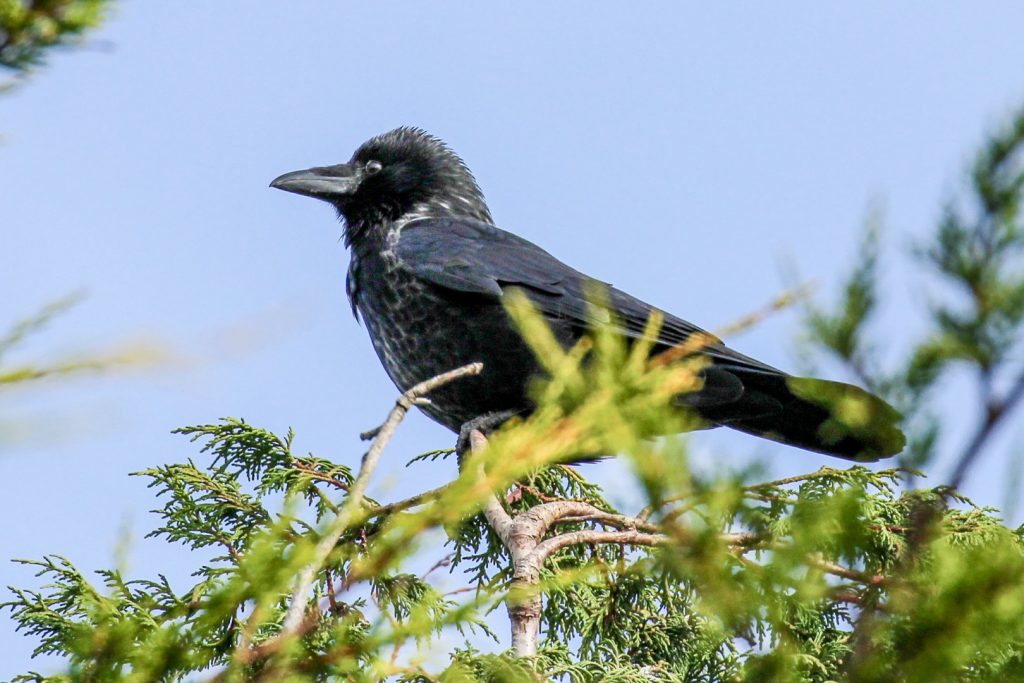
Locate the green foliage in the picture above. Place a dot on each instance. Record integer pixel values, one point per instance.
(29, 29)
(756, 580)
(976, 259)
(838, 574)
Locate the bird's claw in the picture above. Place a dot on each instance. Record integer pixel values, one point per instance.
(485, 424)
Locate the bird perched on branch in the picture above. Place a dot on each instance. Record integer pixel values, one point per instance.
(429, 273)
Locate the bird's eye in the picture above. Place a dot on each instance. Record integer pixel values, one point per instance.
(373, 167)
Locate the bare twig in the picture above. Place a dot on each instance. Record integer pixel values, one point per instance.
(410, 502)
(847, 573)
(445, 561)
(352, 508)
(698, 341)
(994, 414)
(780, 302)
(499, 520)
(613, 520)
(645, 514)
(797, 479)
(743, 540)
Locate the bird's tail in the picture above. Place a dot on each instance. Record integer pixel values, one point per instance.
(815, 414)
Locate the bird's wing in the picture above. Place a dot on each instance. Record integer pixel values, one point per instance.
(477, 259)
(473, 257)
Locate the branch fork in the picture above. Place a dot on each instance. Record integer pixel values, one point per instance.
(522, 537)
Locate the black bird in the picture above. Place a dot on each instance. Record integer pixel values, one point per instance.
(429, 271)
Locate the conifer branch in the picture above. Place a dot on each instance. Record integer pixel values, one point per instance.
(351, 509)
(995, 411)
(520, 537)
(406, 503)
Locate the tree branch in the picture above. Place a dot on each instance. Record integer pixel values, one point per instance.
(994, 414)
(522, 537)
(352, 508)
(499, 520)
(405, 504)
(847, 573)
(519, 536)
(552, 545)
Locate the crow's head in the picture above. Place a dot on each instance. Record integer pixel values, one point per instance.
(404, 173)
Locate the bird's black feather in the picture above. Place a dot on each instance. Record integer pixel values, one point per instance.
(429, 273)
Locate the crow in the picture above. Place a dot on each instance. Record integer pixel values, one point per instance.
(429, 272)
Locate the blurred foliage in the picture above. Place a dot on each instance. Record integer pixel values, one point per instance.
(834, 575)
(975, 326)
(18, 372)
(30, 28)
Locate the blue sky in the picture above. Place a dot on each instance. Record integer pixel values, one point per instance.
(690, 153)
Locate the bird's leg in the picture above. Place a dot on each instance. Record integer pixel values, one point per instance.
(485, 424)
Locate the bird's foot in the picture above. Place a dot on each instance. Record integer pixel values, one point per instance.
(485, 424)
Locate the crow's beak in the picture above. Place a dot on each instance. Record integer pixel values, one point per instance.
(329, 183)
